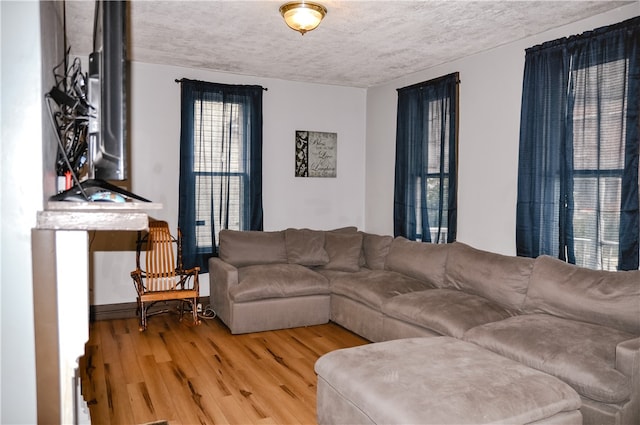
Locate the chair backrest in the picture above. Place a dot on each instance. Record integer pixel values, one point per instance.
(160, 258)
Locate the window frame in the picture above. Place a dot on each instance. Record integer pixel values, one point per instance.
(414, 135)
(569, 119)
(196, 248)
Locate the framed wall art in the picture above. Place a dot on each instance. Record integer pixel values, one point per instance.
(316, 154)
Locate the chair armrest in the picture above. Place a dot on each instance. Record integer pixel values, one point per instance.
(222, 276)
(137, 276)
(192, 270)
(187, 274)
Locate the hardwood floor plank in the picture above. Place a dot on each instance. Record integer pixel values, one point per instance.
(260, 390)
(94, 388)
(156, 344)
(129, 359)
(296, 378)
(176, 350)
(143, 408)
(160, 395)
(187, 374)
(261, 368)
(108, 342)
(117, 397)
(186, 400)
(247, 384)
(142, 342)
(218, 409)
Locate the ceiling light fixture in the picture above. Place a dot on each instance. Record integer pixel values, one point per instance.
(302, 16)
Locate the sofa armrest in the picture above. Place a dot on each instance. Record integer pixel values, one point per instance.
(225, 273)
(628, 357)
(222, 276)
(628, 363)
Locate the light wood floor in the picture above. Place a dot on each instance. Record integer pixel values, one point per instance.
(187, 374)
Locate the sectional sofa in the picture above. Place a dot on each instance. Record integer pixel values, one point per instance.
(581, 326)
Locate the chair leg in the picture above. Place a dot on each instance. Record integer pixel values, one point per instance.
(142, 310)
(143, 317)
(181, 310)
(194, 309)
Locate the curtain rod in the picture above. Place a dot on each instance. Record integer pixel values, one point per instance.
(435, 80)
(198, 81)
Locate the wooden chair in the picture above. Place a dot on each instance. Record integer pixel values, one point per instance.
(163, 280)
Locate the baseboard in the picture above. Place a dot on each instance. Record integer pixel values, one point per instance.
(112, 311)
(121, 310)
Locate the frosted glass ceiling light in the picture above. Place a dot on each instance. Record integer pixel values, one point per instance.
(302, 16)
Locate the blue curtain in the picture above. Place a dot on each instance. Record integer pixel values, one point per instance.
(578, 165)
(220, 165)
(425, 200)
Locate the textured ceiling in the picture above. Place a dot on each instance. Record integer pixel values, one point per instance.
(358, 44)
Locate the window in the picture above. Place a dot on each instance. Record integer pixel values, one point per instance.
(220, 165)
(218, 169)
(598, 155)
(578, 169)
(426, 154)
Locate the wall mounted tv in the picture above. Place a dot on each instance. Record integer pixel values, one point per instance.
(107, 92)
(99, 118)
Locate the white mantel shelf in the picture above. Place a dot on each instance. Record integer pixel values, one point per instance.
(96, 215)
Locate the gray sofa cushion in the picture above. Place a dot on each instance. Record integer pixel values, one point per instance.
(305, 247)
(346, 229)
(439, 380)
(445, 311)
(374, 287)
(501, 278)
(344, 251)
(375, 249)
(277, 281)
(600, 297)
(423, 261)
(245, 248)
(581, 354)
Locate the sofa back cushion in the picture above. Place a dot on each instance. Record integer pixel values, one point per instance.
(375, 249)
(419, 260)
(344, 250)
(305, 247)
(594, 296)
(501, 278)
(246, 248)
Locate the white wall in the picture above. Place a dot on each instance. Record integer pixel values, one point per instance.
(27, 49)
(490, 96)
(319, 203)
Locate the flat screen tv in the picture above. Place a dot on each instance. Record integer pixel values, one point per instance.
(107, 93)
(106, 132)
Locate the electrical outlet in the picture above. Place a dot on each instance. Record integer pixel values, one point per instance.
(199, 308)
